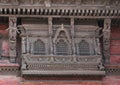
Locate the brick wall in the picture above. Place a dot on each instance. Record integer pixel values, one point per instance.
(115, 46)
(63, 83)
(12, 80)
(9, 80)
(111, 80)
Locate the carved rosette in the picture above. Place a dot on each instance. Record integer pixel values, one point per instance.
(12, 37)
(106, 39)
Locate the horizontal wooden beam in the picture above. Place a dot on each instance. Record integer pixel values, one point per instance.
(63, 12)
(59, 16)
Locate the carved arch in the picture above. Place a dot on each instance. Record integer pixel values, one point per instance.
(39, 47)
(67, 36)
(83, 48)
(62, 34)
(62, 47)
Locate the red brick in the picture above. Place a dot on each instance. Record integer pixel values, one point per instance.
(115, 33)
(111, 80)
(3, 26)
(115, 59)
(9, 80)
(63, 83)
(115, 42)
(115, 50)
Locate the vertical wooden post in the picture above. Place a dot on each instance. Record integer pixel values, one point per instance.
(106, 40)
(23, 45)
(28, 42)
(73, 34)
(50, 35)
(12, 37)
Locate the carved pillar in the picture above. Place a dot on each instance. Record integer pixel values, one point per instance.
(106, 40)
(28, 44)
(73, 34)
(50, 35)
(12, 38)
(23, 45)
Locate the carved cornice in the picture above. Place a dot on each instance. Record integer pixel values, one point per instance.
(49, 3)
(77, 8)
(47, 12)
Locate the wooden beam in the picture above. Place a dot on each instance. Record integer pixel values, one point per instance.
(64, 16)
(111, 12)
(41, 11)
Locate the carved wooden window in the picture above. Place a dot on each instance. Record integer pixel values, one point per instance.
(83, 48)
(39, 47)
(62, 48)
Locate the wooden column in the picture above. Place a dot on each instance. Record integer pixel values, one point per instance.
(50, 35)
(73, 34)
(106, 40)
(23, 45)
(12, 38)
(28, 44)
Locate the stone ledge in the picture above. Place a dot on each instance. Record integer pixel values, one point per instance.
(9, 69)
(63, 72)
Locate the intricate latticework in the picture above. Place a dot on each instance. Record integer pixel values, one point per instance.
(84, 48)
(61, 48)
(39, 47)
(61, 60)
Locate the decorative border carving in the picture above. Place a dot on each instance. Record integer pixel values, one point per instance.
(48, 3)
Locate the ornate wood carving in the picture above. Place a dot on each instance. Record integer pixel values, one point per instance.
(58, 60)
(24, 45)
(62, 34)
(48, 3)
(62, 63)
(66, 36)
(73, 35)
(106, 39)
(12, 37)
(50, 34)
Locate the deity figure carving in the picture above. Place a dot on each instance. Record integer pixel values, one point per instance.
(12, 29)
(106, 30)
(106, 39)
(12, 32)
